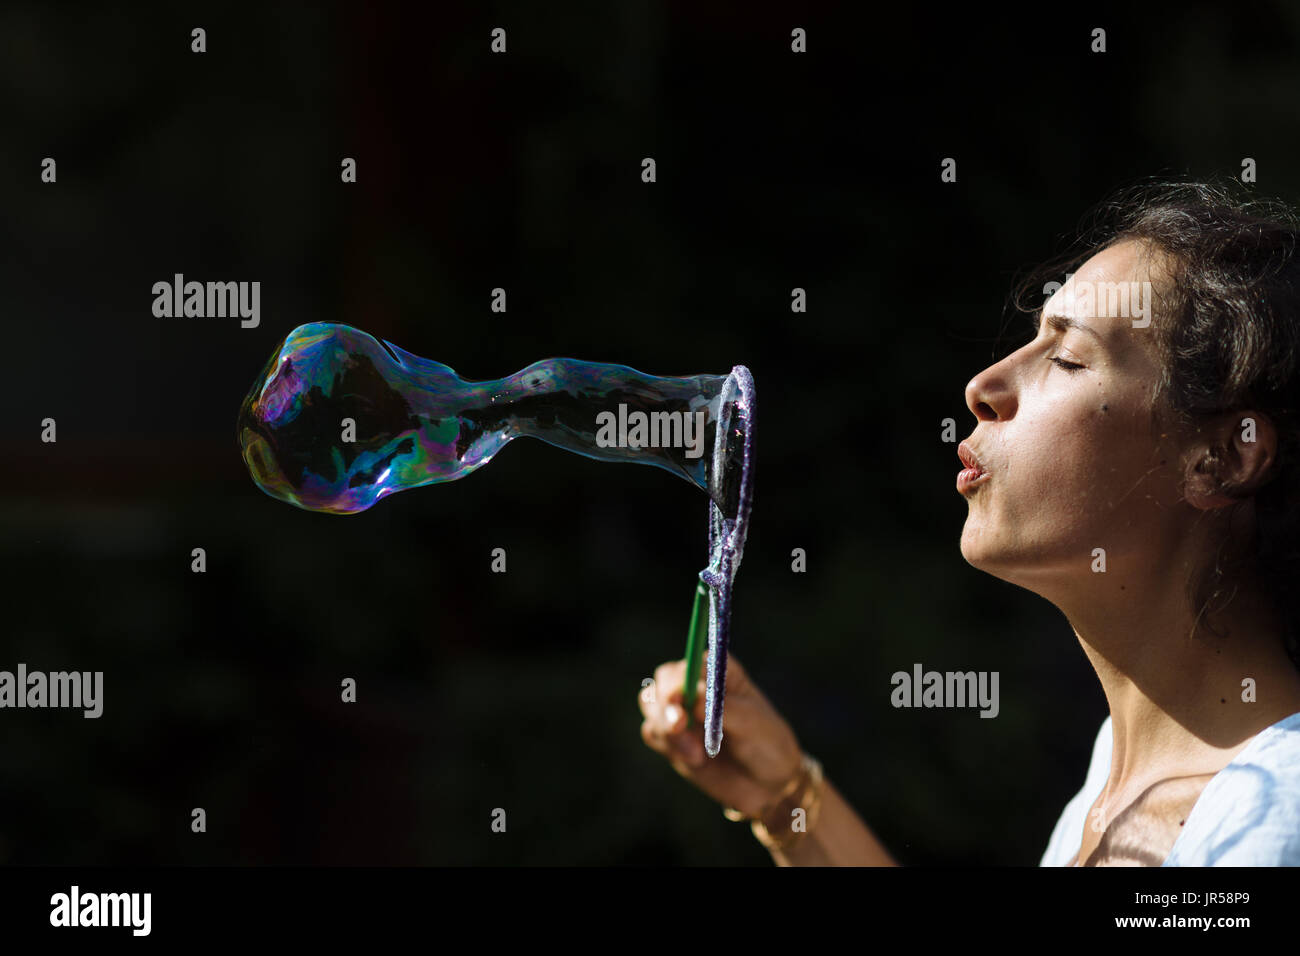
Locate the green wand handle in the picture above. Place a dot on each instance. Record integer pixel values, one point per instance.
(694, 654)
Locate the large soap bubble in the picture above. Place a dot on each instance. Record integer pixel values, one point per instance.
(337, 420)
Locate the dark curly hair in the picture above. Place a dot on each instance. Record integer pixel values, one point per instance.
(1227, 336)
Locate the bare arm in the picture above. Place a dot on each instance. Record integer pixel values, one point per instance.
(838, 838)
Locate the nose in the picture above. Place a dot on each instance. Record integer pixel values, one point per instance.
(989, 394)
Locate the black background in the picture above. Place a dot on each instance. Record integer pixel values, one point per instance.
(481, 690)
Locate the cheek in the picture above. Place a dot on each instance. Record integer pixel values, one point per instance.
(1100, 478)
(1057, 458)
(1062, 477)
(1072, 476)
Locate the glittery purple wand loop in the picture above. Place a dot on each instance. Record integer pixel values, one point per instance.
(727, 536)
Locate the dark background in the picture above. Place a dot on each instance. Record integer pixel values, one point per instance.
(481, 690)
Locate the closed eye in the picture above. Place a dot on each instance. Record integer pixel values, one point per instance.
(1068, 366)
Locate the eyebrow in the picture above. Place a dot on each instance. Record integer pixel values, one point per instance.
(1063, 323)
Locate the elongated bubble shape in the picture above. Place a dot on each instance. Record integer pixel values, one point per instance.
(337, 420)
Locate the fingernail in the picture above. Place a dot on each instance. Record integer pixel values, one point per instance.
(672, 713)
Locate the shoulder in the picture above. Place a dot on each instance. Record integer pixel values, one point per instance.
(1064, 842)
(1249, 813)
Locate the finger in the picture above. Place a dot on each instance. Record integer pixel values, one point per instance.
(669, 672)
(675, 711)
(664, 712)
(650, 698)
(654, 738)
(685, 747)
(645, 699)
(685, 751)
(689, 748)
(667, 692)
(738, 687)
(669, 680)
(744, 713)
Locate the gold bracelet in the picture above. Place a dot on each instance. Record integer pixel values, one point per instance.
(799, 775)
(809, 801)
(807, 782)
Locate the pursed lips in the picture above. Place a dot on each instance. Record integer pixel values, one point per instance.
(969, 458)
(974, 472)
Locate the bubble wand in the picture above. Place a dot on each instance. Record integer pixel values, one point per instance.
(337, 420)
(728, 527)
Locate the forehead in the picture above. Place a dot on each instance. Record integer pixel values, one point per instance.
(1106, 291)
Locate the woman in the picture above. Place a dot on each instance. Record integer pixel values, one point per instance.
(1138, 465)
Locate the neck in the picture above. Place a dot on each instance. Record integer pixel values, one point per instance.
(1176, 691)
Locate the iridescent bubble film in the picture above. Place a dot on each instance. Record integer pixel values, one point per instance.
(337, 420)
(416, 422)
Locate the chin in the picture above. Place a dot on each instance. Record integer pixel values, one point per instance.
(974, 542)
(983, 554)
(976, 555)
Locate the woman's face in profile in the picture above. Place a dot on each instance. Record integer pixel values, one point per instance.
(1064, 432)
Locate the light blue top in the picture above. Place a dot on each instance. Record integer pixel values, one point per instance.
(1247, 815)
